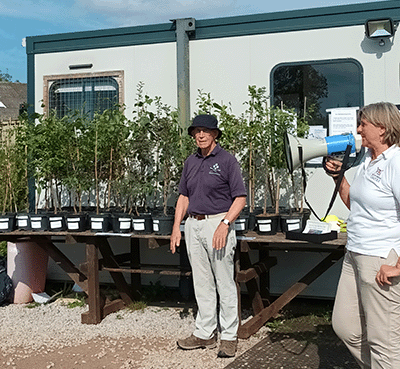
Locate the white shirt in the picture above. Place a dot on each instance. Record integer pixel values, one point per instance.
(373, 227)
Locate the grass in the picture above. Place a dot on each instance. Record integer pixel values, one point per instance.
(151, 293)
(32, 305)
(306, 321)
(137, 306)
(313, 310)
(79, 302)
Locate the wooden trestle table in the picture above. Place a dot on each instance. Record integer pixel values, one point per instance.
(255, 276)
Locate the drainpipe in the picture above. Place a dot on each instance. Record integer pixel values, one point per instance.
(184, 27)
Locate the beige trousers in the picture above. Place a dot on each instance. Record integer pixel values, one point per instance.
(366, 316)
(213, 274)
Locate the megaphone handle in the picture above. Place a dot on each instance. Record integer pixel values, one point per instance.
(339, 179)
(338, 182)
(331, 172)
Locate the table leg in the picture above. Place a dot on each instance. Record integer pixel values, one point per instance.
(252, 284)
(136, 280)
(264, 279)
(94, 315)
(185, 282)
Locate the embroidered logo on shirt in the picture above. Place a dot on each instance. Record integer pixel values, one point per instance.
(215, 169)
(377, 175)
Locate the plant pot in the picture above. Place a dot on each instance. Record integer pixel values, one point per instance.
(57, 223)
(121, 223)
(39, 222)
(142, 223)
(242, 224)
(163, 224)
(77, 222)
(252, 223)
(100, 222)
(23, 221)
(291, 222)
(7, 222)
(267, 224)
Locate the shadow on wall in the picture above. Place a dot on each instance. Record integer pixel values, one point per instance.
(369, 46)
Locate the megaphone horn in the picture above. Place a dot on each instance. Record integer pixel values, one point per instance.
(314, 148)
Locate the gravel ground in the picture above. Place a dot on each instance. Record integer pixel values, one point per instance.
(52, 336)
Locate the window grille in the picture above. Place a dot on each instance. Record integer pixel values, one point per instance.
(86, 94)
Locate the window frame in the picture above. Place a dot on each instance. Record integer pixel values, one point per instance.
(321, 62)
(48, 80)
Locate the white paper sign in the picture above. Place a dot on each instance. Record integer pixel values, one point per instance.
(342, 120)
(317, 227)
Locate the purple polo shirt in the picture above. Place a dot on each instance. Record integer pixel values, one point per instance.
(211, 183)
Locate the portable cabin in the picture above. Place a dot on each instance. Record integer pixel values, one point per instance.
(335, 57)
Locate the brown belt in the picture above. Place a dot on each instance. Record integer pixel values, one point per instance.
(204, 216)
(198, 216)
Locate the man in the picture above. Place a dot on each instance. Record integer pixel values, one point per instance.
(212, 192)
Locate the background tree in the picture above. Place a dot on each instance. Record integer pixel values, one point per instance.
(5, 76)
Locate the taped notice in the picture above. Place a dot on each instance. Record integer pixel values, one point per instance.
(342, 120)
(317, 227)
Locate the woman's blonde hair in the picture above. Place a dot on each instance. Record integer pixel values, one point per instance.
(386, 115)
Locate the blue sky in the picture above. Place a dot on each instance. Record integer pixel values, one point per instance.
(22, 18)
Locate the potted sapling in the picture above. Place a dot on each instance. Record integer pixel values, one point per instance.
(167, 135)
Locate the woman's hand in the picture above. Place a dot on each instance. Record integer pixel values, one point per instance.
(332, 166)
(386, 272)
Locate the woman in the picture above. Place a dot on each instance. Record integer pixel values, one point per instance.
(366, 314)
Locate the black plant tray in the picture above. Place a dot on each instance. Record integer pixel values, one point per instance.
(312, 237)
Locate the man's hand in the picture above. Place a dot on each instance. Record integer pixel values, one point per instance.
(175, 239)
(220, 235)
(386, 272)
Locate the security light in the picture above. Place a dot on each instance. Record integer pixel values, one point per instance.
(379, 28)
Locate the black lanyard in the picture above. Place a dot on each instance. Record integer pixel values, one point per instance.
(338, 182)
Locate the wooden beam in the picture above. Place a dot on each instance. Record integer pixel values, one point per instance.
(256, 270)
(116, 274)
(152, 269)
(155, 243)
(79, 277)
(112, 307)
(255, 323)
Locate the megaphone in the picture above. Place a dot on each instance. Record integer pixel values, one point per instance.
(314, 148)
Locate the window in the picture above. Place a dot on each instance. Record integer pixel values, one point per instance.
(88, 93)
(317, 86)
